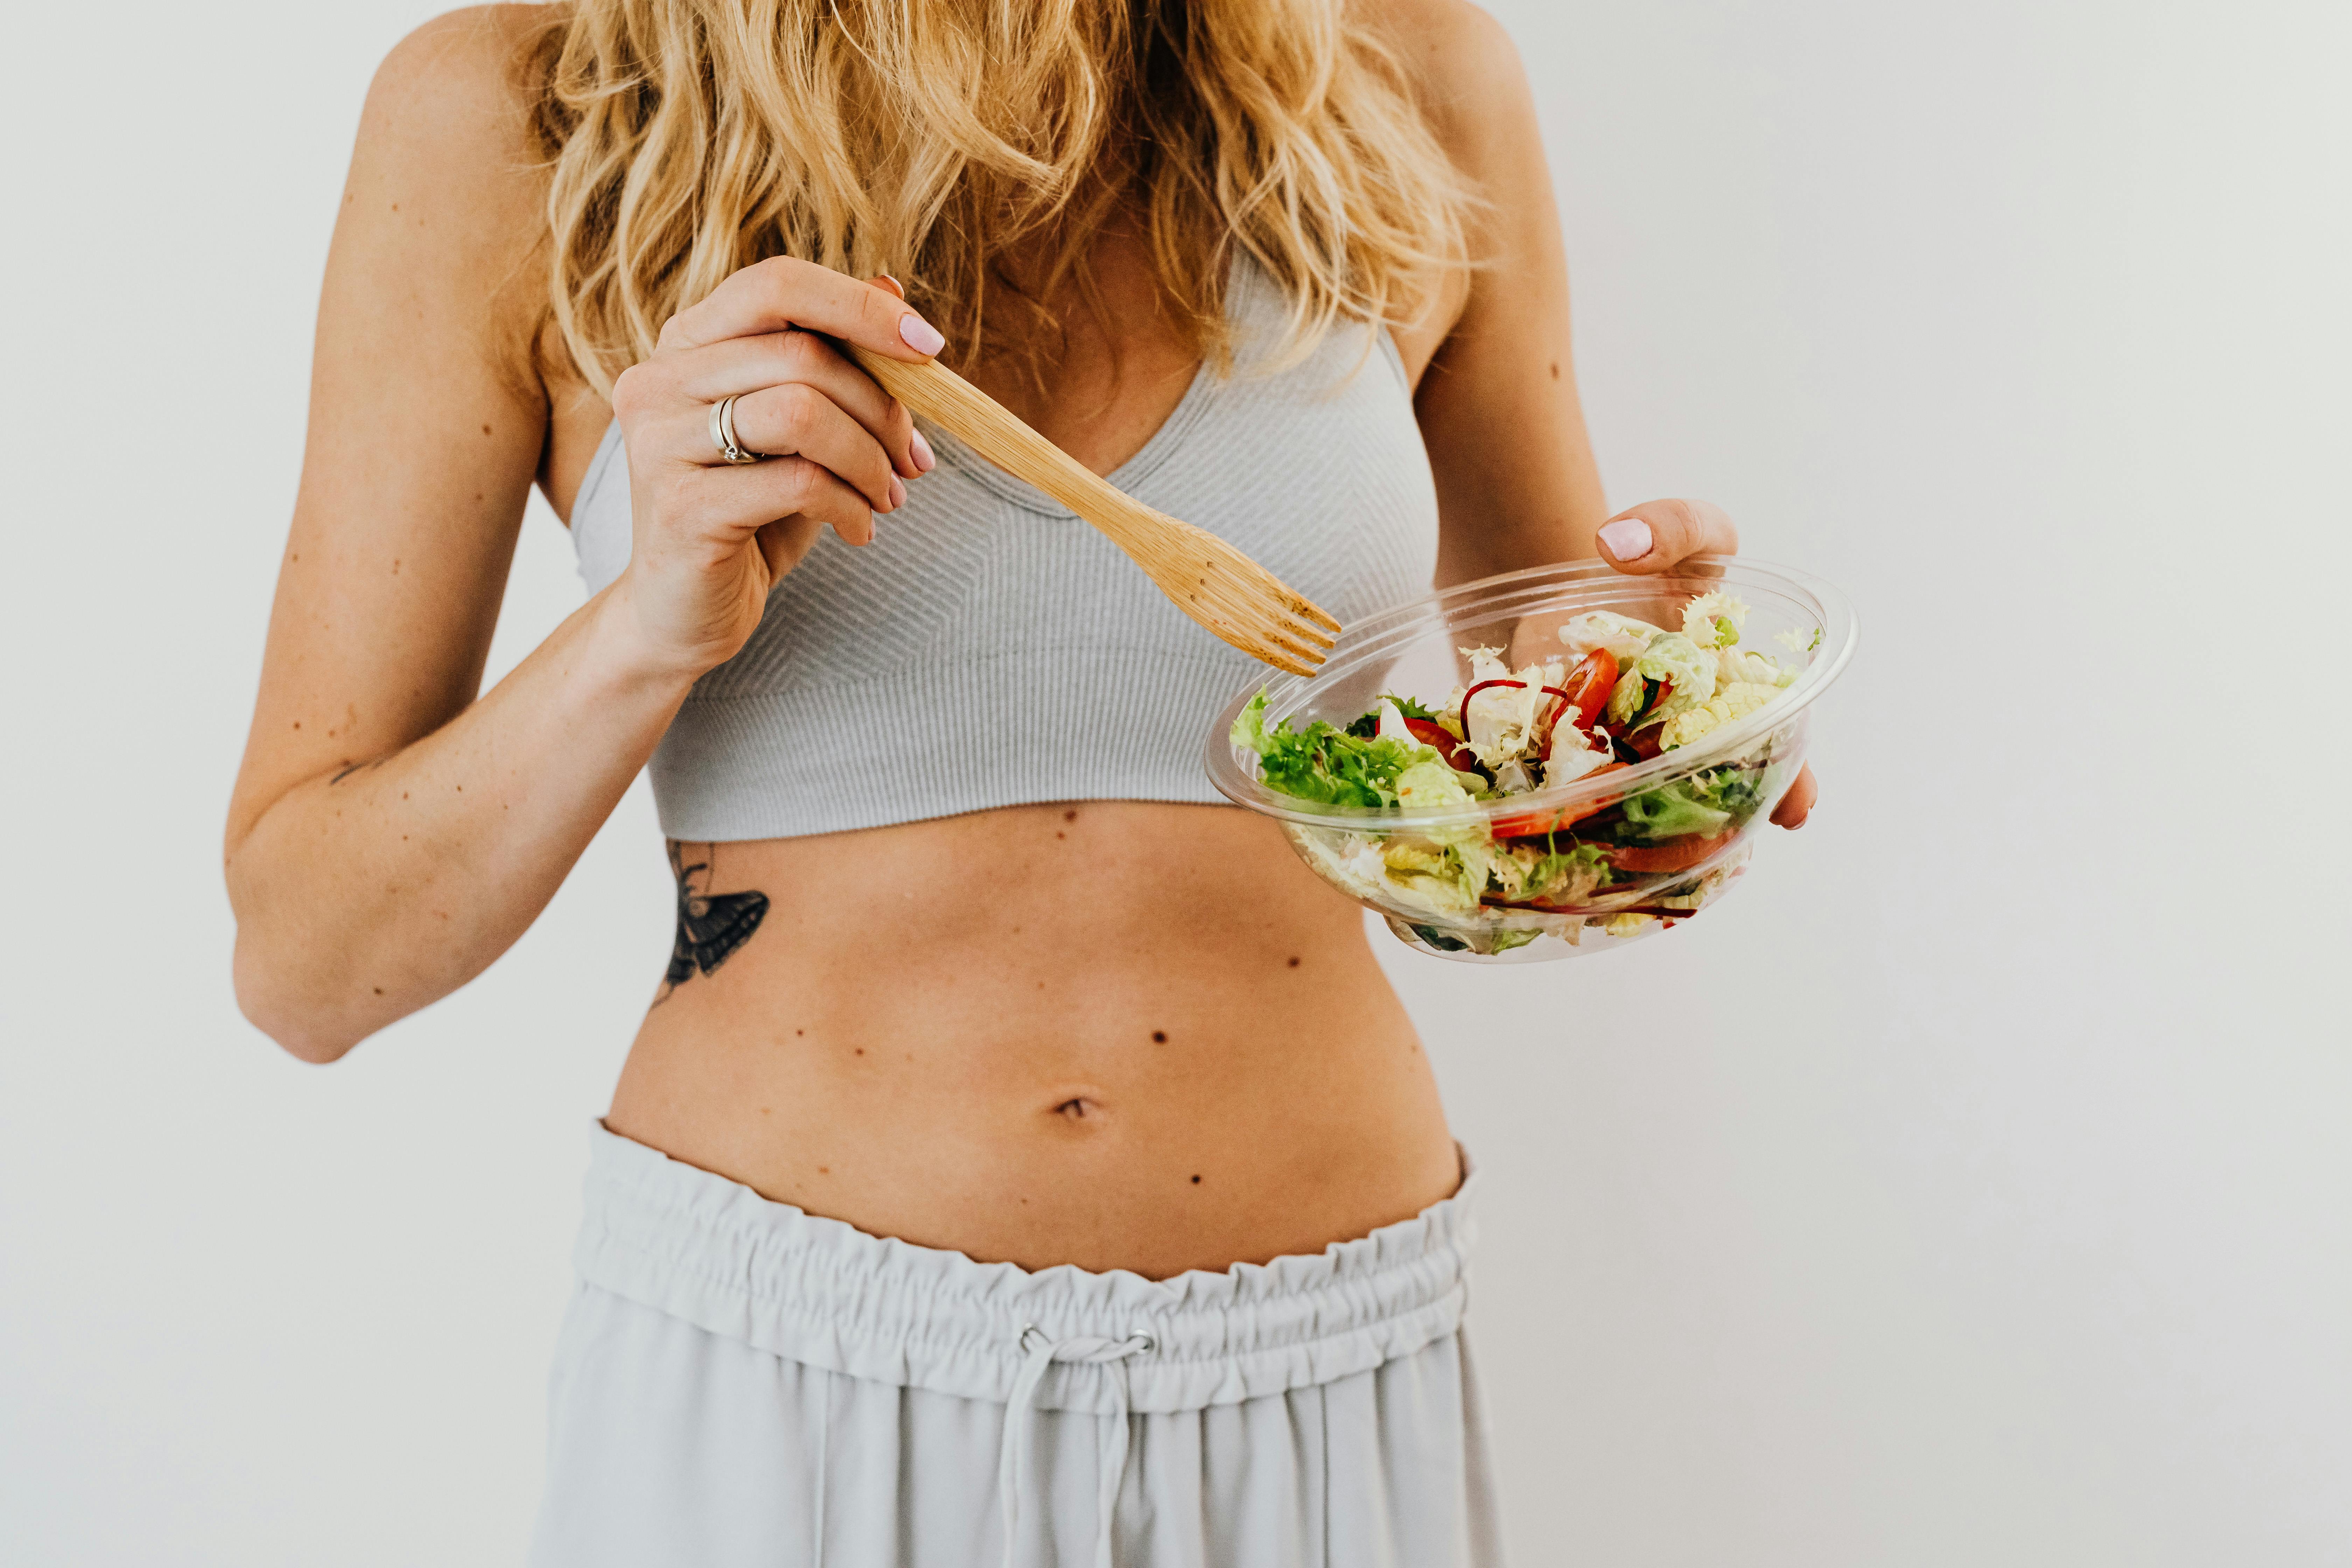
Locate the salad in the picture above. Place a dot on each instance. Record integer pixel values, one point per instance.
(1622, 692)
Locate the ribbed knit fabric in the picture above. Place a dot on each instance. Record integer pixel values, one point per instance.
(988, 648)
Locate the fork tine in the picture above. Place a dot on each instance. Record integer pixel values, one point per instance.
(1242, 603)
(1307, 632)
(1291, 623)
(1251, 577)
(1273, 620)
(1257, 634)
(1257, 638)
(1282, 661)
(1307, 609)
(1257, 579)
(1254, 638)
(1284, 608)
(1258, 592)
(1310, 655)
(1309, 642)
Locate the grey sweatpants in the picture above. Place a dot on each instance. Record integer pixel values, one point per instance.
(741, 1383)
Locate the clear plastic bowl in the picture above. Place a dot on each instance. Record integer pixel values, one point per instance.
(1416, 650)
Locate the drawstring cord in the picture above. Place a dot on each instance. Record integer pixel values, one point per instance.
(1021, 1427)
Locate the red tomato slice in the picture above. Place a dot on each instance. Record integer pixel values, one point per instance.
(1590, 683)
(1430, 732)
(1535, 824)
(1677, 855)
(1585, 695)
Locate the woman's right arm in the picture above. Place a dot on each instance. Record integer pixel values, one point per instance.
(391, 833)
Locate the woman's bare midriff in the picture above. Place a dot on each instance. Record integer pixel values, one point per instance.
(1114, 1033)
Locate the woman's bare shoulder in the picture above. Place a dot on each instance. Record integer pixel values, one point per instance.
(1465, 77)
(467, 61)
(449, 183)
(1462, 64)
(451, 106)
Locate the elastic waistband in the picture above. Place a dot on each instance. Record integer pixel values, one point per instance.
(821, 1292)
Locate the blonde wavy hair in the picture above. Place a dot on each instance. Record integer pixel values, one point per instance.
(975, 148)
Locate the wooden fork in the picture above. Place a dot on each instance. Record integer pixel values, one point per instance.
(1223, 589)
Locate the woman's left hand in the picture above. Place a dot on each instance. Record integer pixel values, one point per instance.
(1656, 535)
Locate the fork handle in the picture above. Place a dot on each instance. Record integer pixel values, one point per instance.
(997, 434)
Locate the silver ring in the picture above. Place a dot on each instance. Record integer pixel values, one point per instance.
(722, 434)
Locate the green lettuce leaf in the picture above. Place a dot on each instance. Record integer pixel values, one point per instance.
(1406, 705)
(1703, 804)
(1573, 874)
(1365, 728)
(1445, 879)
(1626, 698)
(1673, 657)
(1326, 766)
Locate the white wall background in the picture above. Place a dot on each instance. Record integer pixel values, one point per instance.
(1972, 1188)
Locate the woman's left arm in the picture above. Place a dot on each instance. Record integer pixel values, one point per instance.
(1517, 484)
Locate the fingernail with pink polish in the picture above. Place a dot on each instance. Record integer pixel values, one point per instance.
(898, 492)
(1628, 538)
(924, 461)
(919, 334)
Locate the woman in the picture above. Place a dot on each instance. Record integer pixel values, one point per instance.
(968, 957)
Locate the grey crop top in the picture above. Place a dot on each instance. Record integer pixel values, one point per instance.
(989, 649)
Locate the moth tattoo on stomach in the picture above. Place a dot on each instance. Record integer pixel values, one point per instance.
(710, 926)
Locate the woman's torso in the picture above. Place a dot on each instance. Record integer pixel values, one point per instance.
(1113, 1033)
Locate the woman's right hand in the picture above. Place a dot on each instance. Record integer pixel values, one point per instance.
(711, 538)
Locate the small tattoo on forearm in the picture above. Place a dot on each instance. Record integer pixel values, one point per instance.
(710, 926)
